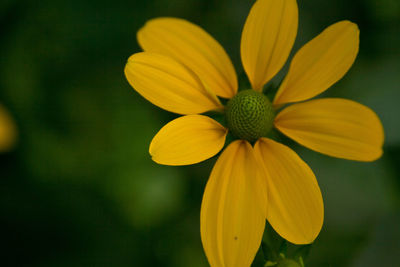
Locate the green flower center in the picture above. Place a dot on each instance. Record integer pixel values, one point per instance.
(249, 115)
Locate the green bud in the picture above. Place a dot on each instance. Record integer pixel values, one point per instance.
(287, 263)
(249, 115)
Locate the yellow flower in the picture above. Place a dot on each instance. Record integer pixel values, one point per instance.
(8, 131)
(183, 70)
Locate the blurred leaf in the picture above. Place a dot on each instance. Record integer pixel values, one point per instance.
(383, 245)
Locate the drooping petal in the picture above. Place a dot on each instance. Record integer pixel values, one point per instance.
(267, 38)
(295, 207)
(335, 127)
(320, 63)
(193, 47)
(188, 140)
(168, 84)
(8, 131)
(232, 222)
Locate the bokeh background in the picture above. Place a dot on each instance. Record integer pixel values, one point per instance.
(79, 188)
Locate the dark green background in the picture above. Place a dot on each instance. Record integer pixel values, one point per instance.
(80, 189)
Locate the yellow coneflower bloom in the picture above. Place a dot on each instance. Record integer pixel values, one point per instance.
(183, 70)
(8, 131)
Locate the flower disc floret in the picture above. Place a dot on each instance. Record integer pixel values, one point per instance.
(249, 115)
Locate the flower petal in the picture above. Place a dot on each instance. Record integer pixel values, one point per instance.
(295, 207)
(188, 140)
(193, 47)
(336, 127)
(232, 222)
(168, 84)
(8, 131)
(320, 63)
(267, 38)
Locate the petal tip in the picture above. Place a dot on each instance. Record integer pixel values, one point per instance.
(187, 140)
(176, 37)
(320, 63)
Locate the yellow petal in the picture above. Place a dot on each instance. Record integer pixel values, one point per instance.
(8, 131)
(336, 127)
(168, 84)
(188, 140)
(320, 63)
(295, 207)
(232, 223)
(193, 47)
(267, 38)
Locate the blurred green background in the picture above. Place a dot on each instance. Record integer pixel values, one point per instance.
(80, 189)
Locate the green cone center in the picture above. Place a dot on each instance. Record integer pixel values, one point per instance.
(249, 115)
